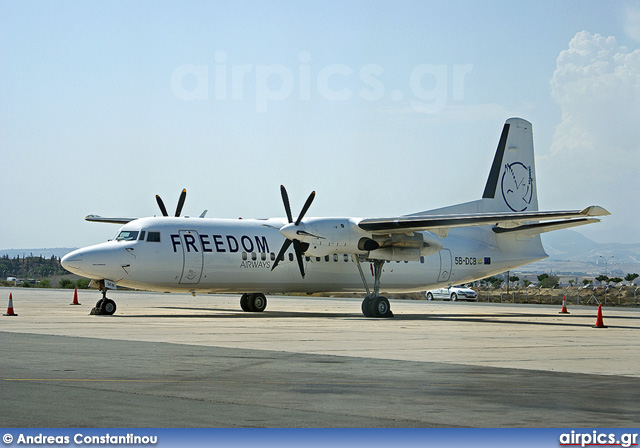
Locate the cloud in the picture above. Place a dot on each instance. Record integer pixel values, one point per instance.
(632, 23)
(597, 86)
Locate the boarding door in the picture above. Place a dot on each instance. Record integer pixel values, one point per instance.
(445, 265)
(191, 256)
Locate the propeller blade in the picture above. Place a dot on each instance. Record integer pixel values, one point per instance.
(183, 196)
(284, 248)
(305, 208)
(285, 199)
(297, 246)
(163, 209)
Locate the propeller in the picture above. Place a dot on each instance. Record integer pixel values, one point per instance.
(298, 246)
(181, 200)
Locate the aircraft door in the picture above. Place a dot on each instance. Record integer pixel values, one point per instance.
(445, 265)
(191, 256)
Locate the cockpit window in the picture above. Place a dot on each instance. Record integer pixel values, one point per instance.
(142, 233)
(127, 235)
(153, 237)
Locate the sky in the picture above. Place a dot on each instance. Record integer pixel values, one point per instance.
(382, 107)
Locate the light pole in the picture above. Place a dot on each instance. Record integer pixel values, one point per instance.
(606, 264)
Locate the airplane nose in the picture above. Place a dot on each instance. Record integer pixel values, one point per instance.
(72, 261)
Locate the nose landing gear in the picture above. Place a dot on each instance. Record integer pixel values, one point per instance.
(104, 306)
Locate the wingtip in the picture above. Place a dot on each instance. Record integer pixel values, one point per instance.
(595, 210)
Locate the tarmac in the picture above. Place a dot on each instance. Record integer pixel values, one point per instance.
(173, 360)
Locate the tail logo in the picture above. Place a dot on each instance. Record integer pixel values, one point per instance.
(517, 186)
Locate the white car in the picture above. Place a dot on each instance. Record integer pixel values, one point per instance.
(452, 293)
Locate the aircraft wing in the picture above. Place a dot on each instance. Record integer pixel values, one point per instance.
(502, 221)
(98, 218)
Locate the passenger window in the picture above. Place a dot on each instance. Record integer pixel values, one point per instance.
(317, 258)
(326, 258)
(307, 258)
(142, 235)
(244, 256)
(290, 256)
(153, 237)
(422, 260)
(263, 256)
(346, 257)
(273, 256)
(254, 256)
(335, 257)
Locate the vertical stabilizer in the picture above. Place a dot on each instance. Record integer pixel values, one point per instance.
(511, 185)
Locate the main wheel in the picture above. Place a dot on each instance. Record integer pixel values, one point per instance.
(108, 306)
(244, 302)
(454, 297)
(257, 302)
(366, 307)
(380, 307)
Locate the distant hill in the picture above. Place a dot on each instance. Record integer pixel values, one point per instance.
(59, 252)
(570, 252)
(573, 246)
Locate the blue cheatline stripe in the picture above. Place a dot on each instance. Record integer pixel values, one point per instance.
(284, 438)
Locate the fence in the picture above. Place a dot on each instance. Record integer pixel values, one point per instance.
(609, 295)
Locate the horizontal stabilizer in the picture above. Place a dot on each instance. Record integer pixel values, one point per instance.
(97, 218)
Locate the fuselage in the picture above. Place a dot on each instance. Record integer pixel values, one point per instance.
(224, 255)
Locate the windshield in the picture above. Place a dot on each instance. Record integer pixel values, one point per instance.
(127, 235)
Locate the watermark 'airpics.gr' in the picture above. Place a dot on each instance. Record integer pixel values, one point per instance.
(430, 86)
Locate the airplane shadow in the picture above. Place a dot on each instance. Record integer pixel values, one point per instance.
(492, 318)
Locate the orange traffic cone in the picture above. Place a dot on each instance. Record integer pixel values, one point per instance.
(599, 321)
(10, 307)
(75, 297)
(564, 306)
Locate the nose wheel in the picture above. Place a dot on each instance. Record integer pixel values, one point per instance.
(104, 306)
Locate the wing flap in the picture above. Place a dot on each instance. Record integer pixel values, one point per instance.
(543, 227)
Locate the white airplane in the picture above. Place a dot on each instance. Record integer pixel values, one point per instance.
(427, 250)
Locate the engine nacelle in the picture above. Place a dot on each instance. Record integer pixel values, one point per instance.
(327, 236)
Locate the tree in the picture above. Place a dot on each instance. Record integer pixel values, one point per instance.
(65, 283)
(548, 281)
(586, 282)
(631, 277)
(615, 280)
(543, 277)
(495, 281)
(602, 278)
(526, 282)
(514, 279)
(44, 283)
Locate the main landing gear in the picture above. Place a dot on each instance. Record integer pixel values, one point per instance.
(104, 306)
(253, 303)
(374, 305)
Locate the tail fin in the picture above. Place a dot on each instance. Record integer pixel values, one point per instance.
(511, 185)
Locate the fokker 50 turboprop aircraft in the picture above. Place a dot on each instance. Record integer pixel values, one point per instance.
(447, 246)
